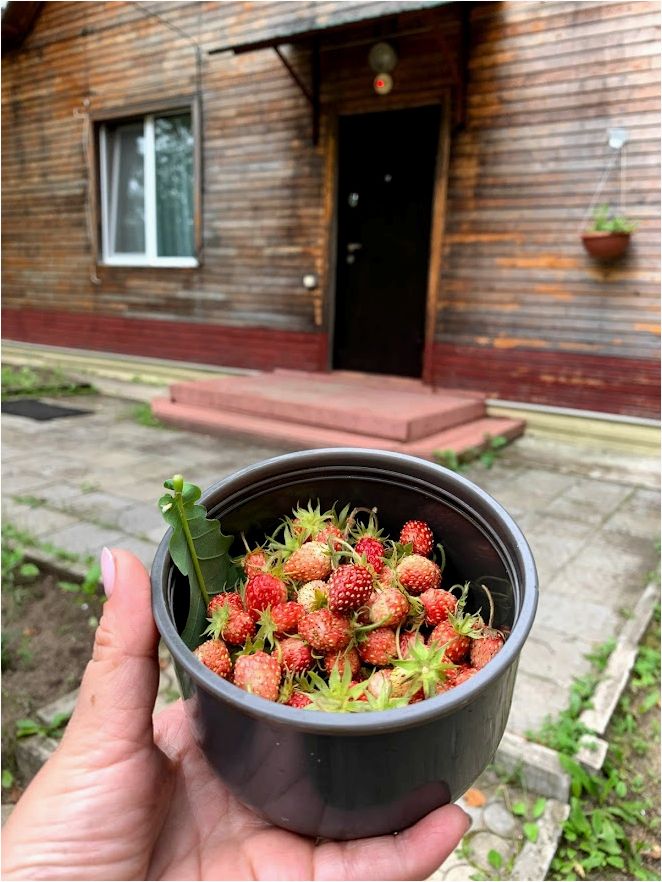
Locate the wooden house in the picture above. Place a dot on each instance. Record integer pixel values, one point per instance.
(385, 187)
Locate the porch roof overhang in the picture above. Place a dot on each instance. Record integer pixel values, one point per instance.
(309, 29)
(317, 23)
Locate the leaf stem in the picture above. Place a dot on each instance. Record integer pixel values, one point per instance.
(191, 547)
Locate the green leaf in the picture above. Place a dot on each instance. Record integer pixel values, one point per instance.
(28, 570)
(495, 858)
(539, 807)
(25, 728)
(519, 809)
(530, 831)
(7, 779)
(71, 587)
(200, 551)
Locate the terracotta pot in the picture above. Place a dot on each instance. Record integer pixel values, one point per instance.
(606, 246)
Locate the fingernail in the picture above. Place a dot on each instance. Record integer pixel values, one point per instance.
(107, 562)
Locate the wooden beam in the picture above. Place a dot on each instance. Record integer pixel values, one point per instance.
(437, 237)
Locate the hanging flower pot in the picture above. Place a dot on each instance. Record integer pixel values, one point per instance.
(605, 246)
(609, 236)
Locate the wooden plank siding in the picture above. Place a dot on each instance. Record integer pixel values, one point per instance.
(522, 312)
(521, 302)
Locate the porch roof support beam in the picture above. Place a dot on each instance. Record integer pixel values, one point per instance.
(312, 95)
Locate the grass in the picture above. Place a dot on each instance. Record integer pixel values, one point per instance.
(485, 455)
(142, 414)
(27, 382)
(614, 817)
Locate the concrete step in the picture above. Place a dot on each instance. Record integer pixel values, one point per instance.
(381, 381)
(217, 422)
(387, 411)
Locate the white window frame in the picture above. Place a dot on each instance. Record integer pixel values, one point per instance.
(109, 205)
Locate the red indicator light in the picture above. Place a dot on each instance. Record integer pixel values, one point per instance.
(380, 84)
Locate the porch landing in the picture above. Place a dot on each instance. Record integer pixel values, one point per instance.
(336, 409)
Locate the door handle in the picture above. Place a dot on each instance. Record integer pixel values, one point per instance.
(354, 246)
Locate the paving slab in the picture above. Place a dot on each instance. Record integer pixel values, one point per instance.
(592, 523)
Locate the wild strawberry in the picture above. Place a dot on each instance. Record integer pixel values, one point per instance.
(418, 574)
(391, 679)
(378, 647)
(419, 535)
(254, 562)
(342, 658)
(437, 604)
(258, 674)
(331, 535)
(325, 630)
(295, 655)
(313, 595)
(388, 577)
(224, 598)
(389, 607)
(407, 638)
(350, 586)
(425, 667)
(465, 674)
(262, 591)
(340, 693)
(309, 521)
(214, 655)
(457, 631)
(233, 625)
(373, 551)
(484, 648)
(311, 561)
(286, 617)
(298, 699)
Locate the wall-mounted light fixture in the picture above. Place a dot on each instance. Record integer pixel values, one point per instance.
(382, 58)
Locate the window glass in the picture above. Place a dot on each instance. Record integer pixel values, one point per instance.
(127, 188)
(173, 146)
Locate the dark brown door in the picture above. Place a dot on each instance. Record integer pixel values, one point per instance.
(385, 190)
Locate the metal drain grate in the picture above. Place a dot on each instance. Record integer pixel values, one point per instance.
(34, 409)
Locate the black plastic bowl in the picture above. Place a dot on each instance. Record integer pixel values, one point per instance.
(344, 776)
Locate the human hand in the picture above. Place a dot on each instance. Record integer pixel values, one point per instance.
(131, 796)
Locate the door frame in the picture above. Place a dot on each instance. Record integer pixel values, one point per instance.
(437, 221)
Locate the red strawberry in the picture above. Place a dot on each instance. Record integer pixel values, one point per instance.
(450, 679)
(331, 534)
(350, 586)
(378, 647)
(458, 644)
(309, 562)
(233, 625)
(295, 655)
(418, 574)
(407, 639)
(437, 604)
(325, 630)
(388, 607)
(262, 591)
(418, 534)
(388, 578)
(224, 598)
(344, 657)
(254, 562)
(214, 655)
(313, 595)
(483, 649)
(286, 617)
(298, 699)
(373, 550)
(258, 674)
(466, 672)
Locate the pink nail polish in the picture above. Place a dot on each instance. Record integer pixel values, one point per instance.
(107, 562)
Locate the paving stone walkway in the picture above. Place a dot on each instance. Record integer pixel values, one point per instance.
(592, 520)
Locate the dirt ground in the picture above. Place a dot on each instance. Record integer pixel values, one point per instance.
(47, 636)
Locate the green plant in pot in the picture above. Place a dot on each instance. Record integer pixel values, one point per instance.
(608, 236)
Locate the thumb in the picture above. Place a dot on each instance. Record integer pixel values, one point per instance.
(120, 683)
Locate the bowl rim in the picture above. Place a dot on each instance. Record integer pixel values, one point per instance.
(323, 722)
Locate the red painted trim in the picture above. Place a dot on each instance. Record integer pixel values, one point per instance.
(257, 348)
(606, 384)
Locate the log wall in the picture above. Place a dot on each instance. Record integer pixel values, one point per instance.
(523, 313)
